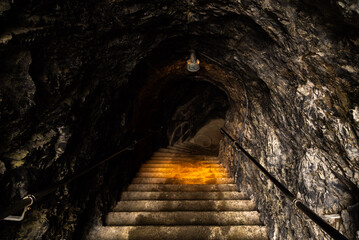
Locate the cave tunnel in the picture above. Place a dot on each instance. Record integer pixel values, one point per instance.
(82, 80)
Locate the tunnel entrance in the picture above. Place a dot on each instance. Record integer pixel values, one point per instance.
(179, 101)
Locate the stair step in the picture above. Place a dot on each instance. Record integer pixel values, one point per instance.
(175, 150)
(197, 157)
(179, 233)
(183, 180)
(182, 170)
(208, 174)
(176, 165)
(183, 218)
(203, 162)
(182, 193)
(183, 196)
(187, 148)
(182, 188)
(185, 205)
(179, 155)
(185, 160)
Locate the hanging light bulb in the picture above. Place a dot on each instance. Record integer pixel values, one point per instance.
(193, 63)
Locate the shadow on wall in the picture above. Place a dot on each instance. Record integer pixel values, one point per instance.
(209, 135)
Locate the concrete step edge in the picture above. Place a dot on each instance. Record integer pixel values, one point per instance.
(182, 181)
(182, 188)
(180, 174)
(220, 218)
(183, 196)
(253, 232)
(184, 205)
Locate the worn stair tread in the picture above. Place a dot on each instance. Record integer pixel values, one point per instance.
(179, 233)
(176, 165)
(211, 161)
(182, 188)
(185, 205)
(183, 218)
(183, 196)
(187, 150)
(197, 157)
(184, 169)
(182, 192)
(174, 154)
(208, 174)
(185, 158)
(181, 162)
(183, 180)
(194, 157)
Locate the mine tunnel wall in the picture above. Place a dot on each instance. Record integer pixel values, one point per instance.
(71, 94)
(285, 135)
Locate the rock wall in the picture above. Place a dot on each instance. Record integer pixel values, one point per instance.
(79, 79)
(302, 127)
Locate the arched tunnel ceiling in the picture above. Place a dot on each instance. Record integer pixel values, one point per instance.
(75, 75)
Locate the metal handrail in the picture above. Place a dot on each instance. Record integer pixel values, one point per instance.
(335, 234)
(27, 201)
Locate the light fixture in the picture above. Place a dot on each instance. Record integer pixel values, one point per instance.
(193, 63)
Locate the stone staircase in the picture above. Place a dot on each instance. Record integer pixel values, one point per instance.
(180, 194)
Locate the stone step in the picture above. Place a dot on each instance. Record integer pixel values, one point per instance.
(182, 180)
(172, 153)
(182, 170)
(188, 150)
(183, 196)
(183, 218)
(182, 188)
(197, 157)
(189, 147)
(208, 174)
(176, 154)
(175, 150)
(184, 205)
(203, 162)
(179, 233)
(185, 160)
(176, 165)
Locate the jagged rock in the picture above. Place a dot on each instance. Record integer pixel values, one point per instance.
(79, 80)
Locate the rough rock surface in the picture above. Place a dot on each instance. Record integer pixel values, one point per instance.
(79, 79)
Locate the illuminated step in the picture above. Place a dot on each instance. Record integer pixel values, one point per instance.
(183, 196)
(179, 232)
(185, 205)
(182, 188)
(180, 196)
(156, 161)
(187, 151)
(182, 169)
(183, 218)
(183, 180)
(173, 155)
(184, 155)
(207, 174)
(185, 158)
(176, 165)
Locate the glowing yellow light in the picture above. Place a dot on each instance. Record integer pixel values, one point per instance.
(196, 172)
(193, 63)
